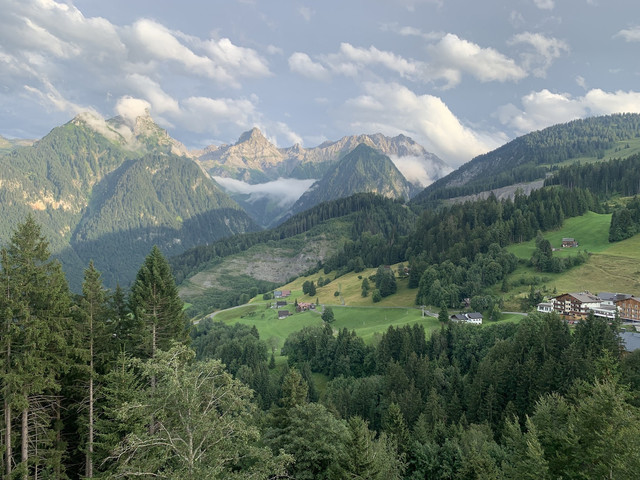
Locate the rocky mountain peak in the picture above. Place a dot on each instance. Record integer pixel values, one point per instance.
(254, 135)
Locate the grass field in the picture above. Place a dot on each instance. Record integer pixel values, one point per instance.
(612, 267)
(590, 230)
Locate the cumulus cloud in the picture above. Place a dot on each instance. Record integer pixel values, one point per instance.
(205, 114)
(545, 51)
(350, 60)
(283, 190)
(219, 60)
(49, 50)
(301, 63)
(629, 34)
(544, 108)
(454, 56)
(393, 109)
(451, 58)
(418, 170)
(130, 108)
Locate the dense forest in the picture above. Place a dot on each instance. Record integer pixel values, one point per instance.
(117, 385)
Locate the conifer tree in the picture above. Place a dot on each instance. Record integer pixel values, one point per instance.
(36, 332)
(156, 306)
(93, 308)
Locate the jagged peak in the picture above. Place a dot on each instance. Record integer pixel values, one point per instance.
(252, 135)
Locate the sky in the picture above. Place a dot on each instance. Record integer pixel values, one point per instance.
(459, 77)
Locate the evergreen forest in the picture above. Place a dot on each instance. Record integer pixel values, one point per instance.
(121, 384)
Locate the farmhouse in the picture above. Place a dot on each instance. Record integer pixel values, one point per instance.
(303, 306)
(569, 242)
(281, 303)
(473, 317)
(281, 293)
(283, 314)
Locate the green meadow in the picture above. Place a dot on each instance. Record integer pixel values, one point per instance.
(612, 267)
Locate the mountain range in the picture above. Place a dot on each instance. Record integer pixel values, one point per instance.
(109, 190)
(267, 181)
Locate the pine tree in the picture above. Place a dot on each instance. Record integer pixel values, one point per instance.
(155, 304)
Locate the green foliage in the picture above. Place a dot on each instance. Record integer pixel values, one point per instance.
(443, 314)
(528, 157)
(203, 424)
(38, 343)
(156, 306)
(327, 315)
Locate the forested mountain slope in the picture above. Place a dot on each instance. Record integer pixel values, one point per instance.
(531, 156)
(364, 169)
(109, 192)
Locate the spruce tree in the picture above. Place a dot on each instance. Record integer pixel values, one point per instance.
(94, 315)
(37, 341)
(156, 306)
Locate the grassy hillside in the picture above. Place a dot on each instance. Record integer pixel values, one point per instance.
(612, 267)
(351, 310)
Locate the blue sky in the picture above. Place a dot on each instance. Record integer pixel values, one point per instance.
(459, 77)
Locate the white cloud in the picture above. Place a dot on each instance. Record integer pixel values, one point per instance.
(301, 63)
(546, 50)
(418, 170)
(629, 34)
(158, 100)
(281, 129)
(455, 56)
(544, 108)
(544, 4)
(237, 61)
(407, 31)
(392, 109)
(130, 108)
(349, 55)
(284, 190)
(204, 114)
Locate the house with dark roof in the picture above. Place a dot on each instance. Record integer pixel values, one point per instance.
(283, 314)
(473, 317)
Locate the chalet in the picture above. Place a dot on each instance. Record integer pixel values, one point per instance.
(569, 242)
(473, 318)
(303, 306)
(281, 303)
(281, 293)
(283, 314)
(575, 304)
